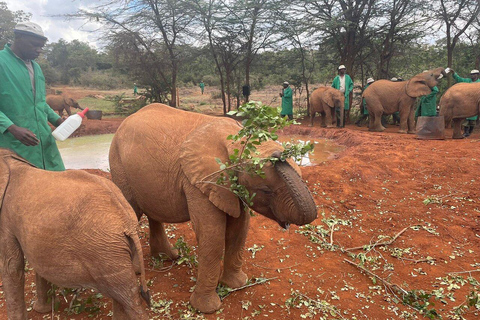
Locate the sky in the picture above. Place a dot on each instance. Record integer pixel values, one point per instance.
(56, 28)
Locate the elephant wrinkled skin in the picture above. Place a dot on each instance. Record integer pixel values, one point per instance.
(324, 100)
(86, 240)
(59, 103)
(459, 102)
(163, 160)
(387, 97)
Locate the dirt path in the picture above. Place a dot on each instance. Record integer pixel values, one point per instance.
(381, 185)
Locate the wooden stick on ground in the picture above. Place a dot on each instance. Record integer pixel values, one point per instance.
(385, 243)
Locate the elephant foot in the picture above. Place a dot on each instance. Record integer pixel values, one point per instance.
(171, 252)
(411, 131)
(41, 307)
(402, 131)
(206, 303)
(331, 126)
(376, 129)
(234, 280)
(458, 137)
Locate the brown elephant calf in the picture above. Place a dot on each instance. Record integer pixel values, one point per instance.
(324, 100)
(87, 240)
(59, 103)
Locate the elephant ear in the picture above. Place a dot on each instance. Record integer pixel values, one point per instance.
(5, 154)
(198, 154)
(327, 98)
(417, 87)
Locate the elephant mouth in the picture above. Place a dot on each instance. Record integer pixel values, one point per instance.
(284, 225)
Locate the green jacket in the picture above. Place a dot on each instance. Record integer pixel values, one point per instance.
(18, 106)
(348, 88)
(365, 110)
(428, 104)
(287, 101)
(459, 79)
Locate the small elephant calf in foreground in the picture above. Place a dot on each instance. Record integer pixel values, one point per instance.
(87, 240)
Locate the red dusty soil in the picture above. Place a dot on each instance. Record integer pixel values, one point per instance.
(381, 185)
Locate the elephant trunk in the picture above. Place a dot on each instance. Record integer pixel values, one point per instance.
(299, 193)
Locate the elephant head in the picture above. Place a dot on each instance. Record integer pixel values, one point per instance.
(72, 103)
(422, 83)
(333, 98)
(281, 196)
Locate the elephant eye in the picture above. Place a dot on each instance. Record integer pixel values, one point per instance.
(265, 190)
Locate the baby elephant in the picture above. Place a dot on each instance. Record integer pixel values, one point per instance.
(87, 240)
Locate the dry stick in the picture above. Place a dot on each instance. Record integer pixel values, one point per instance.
(393, 287)
(416, 261)
(256, 265)
(247, 286)
(331, 233)
(383, 243)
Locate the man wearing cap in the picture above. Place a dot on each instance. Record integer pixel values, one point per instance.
(344, 83)
(363, 108)
(287, 101)
(474, 77)
(24, 114)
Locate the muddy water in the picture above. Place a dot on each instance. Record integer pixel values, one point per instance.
(322, 151)
(91, 152)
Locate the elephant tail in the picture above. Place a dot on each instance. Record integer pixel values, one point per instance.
(137, 246)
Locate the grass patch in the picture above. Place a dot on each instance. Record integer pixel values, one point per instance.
(97, 104)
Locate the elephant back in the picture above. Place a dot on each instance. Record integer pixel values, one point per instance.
(316, 99)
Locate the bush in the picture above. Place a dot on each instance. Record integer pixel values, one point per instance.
(104, 80)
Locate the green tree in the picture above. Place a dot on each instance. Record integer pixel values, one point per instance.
(8, 20)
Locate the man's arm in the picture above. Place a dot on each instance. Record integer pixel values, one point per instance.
(288, 93)
(23, 135)
(5, 122)
(460, 79)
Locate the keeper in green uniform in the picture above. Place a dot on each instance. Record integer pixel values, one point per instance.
(428, 105)
(24, 114)
(474, 77)
(363, 108)
(202, 86)
(344, 83)
(287, 101)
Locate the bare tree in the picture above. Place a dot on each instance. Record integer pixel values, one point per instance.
(457, 16)
(158, 27)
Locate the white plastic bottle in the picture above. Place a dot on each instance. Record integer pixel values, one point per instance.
(68, 126)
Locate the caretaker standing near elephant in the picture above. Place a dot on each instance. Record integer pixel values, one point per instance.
(428, 105)
(287, 101)
(363, 108)
(344, 83)
(474, 77)
(24, 114)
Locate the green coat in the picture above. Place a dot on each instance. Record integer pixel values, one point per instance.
(365, 110)
(428, 104)
(348, 88)
(287, 101)
(468, 80)
(18, 106)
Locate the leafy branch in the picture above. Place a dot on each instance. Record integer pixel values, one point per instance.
(260, 124)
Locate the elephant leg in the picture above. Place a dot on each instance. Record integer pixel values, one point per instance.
(209, 224)
(42, 305)
(330, 118)
(403, 121)
(13, 277)
(123, 288)
(312, 116)
(377, 121)
(322, 120)
(69, 112)
(236, 235)
(159, 241)
(411, 122)
(457, 128)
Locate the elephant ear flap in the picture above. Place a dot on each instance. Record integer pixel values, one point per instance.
(417, 87)
(198, 159)
(327, 98)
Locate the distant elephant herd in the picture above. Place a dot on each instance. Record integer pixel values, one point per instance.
(164, 164)
(384, 97)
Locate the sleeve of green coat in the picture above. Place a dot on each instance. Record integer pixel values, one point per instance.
(5, 122)
(460, 79)
(336, 83)
(288, 93)
(435, 90)
(52, 116)
(350, 84)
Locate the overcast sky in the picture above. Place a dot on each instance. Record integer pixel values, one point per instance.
(56, 28)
